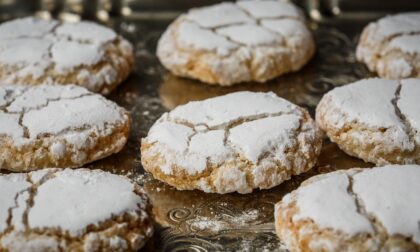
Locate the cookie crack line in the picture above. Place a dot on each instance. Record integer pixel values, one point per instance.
(24, 127)
(65, 238)
(14, 98)
(399, 34)
(85, 127)
(39, 107)
(26, 133)
(224, 126)
(53, 32)
(31, 190)
(385, 43)
(9, 226)
(377, 226)
(409, 130)
(247, 60)
(258, 20)
(227, 125)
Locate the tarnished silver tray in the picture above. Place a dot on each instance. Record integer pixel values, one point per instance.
(196, 221)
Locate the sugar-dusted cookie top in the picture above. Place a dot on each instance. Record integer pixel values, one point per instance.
(235, 142)
(52, 125)
(374, 119)
(57, 210)
(35, 51)
(366, 209)
(227, 43)
(391, 46)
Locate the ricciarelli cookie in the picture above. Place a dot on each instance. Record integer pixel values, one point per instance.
(35, 51)
(376, 120)
(72, 210)
(353, 210)
(228, 43)
(57, 126)
(232, 143)
(391, 46)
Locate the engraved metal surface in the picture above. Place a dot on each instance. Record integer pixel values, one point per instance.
(196, 221)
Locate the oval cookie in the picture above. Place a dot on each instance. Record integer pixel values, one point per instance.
(391, 46)
(34, 51)
(353, 210)
(228, 43)
(376, 120)
(72, 210)
(232, 143)
(58, 126)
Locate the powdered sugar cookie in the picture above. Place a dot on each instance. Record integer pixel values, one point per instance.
(72, 210)
(376, 120)
(225, 144)
(391, 46)
(228, 43)
(57, 126)
(353, 210)
(35, 51)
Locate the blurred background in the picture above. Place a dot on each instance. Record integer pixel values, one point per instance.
(73, 10)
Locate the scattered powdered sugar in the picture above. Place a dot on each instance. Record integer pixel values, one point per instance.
(223, 222)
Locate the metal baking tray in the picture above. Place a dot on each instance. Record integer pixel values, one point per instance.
(197, 221)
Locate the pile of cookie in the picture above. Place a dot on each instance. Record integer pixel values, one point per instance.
(52, 119)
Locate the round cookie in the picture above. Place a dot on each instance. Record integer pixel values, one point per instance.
(376, 120)
(228, 43)
(58, 126)
(231, 143)
(34, 51)
(72, 210)
(391, 46)
(353, 210)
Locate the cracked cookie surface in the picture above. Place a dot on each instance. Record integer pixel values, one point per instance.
(72, 210)
(58, 126)
(34, 51)
(376, 120)
(229, 43)
(391, 46)
(353, 210)
(232, 143)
